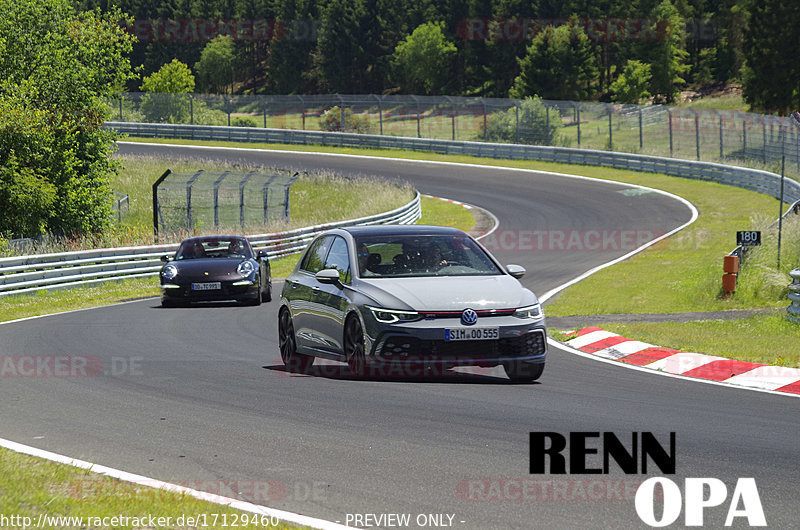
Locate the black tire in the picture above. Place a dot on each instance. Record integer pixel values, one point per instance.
(255, 300)
(294, 362)
(521, 372)
(354, 347)
(266, 296)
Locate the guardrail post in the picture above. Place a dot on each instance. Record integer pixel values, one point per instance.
(794, 297)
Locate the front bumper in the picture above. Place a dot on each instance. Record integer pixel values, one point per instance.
(423, 342)
(228, 291)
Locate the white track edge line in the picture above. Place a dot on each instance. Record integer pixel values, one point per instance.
(166, 486)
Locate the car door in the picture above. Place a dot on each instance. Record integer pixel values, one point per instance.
(330, 300)
(302, 287)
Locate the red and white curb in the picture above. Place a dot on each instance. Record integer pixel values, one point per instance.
(465, 205)
(608, 345)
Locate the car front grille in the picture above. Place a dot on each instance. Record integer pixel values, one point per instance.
(407, 348)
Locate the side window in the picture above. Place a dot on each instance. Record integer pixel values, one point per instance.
(315, 257)
(339, 259)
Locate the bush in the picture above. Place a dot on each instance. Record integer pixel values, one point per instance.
(243, 121)
(332, 121)
(534, 126)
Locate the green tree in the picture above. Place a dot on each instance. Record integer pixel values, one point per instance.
(56, 68)
(421, 62)
(217, 65)
(632, 84)
(166, 100)
(558, 64)
(771, 79)
(172, 78)
(529, 123)
(341, 61)
(667, 53)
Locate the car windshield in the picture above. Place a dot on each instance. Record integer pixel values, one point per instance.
(422, 255)
(214, 248)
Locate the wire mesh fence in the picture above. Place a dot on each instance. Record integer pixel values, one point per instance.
(680, 132)
(203, 200)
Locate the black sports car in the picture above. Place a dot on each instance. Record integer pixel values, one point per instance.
(215, 268)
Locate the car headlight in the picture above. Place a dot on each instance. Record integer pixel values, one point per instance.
(531, 311)
(246, 268)
(390, 316)
(169, 272)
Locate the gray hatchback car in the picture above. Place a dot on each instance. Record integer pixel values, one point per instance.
(409, 299)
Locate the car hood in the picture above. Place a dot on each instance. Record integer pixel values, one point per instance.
(450, 293)
(217, 268)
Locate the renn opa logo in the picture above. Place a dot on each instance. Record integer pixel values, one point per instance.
(699, 494)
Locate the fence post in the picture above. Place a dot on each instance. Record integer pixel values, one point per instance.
(578, 105)
(516, 111)
(380, 113)
(610, 130)
(744, 137)
(764, 136)
(546, 123)
(485, 130)
(242, 185)
(641, 136)
(189, 183)
(216, 197)
(120, 109)
(191, 110)
(156, 206)
(286, 208)
(721, 150)
(697, 132)
(669, 119)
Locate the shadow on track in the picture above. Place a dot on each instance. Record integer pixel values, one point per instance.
(388, 375)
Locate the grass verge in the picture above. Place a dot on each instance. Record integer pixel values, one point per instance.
(33, 487)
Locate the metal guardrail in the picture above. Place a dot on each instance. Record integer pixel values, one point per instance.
(751, 179)
(24, 274)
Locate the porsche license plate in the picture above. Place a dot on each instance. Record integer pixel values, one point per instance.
(210, 286)
(472, 334)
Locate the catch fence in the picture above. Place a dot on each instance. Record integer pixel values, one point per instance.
(192, 201)
(679, 132)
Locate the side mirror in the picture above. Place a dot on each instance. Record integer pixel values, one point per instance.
(165, 258)
(328, 276)
(517, 271)
(262, 254)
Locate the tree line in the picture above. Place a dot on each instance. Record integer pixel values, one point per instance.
(608, 50)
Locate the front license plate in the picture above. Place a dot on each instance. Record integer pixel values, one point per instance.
(472, 334)
(210, 286)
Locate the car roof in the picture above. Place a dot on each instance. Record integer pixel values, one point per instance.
(216, 237)
(391, 230)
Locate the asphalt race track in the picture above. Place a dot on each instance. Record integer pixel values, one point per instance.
(198, 396)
